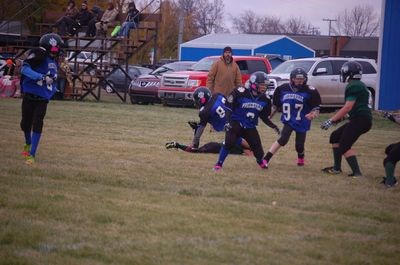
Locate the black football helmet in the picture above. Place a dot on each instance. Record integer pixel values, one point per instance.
(256, 79)
(350, 70)
(201, 96)
(52, 43)
(298, 73)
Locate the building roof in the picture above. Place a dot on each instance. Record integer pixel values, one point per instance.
(237, 41)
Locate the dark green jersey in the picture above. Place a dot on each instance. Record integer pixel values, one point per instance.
(358, 92)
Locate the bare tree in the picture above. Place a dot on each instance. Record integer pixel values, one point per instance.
(360, 21)
(296, 25)
(209, 17)
(249, 22)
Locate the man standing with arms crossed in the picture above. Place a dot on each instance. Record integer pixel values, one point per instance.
(224, 74)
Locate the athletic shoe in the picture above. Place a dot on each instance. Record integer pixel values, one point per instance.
(300, 162)
(389, 183)
(331, 171)
(27, 149)
(354, 176)
(264, 164)
(217, 168)
(171, 145)
(30, 160)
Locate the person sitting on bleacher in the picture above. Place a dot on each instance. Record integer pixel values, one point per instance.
(97, 15)
(108, 19)
(65, 23)
(131, 21)
(81, 19)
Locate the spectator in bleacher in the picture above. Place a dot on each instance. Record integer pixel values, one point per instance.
(131, 21)
(65, 23)
(107, 20)
(97, 15)
(81, 19)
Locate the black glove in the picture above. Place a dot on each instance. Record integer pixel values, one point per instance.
(193, 124)
(326, 124)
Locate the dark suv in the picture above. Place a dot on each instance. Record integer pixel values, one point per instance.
(119, 81)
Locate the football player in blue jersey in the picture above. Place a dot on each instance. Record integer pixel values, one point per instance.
(212, 110)
(299, 104)
(247, 104)
(38, 76)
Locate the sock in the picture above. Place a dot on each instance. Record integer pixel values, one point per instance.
(337, 158)
(223, 153)
(28, 139)
(268, 156)
(352, 160)
(181, 146)
(35, 143)
(389, 169)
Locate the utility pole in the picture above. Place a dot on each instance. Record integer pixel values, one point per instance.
(180, 32)
(330, 22)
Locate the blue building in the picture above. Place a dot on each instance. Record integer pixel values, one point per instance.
(244, 44)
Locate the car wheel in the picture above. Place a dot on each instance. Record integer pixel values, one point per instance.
(133, 100)
(371, 99)
(109, 87)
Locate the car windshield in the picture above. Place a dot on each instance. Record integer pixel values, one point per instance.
(288, 66)
(162, 69)
(204, 64)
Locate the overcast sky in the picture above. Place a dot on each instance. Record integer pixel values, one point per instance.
(312, 11)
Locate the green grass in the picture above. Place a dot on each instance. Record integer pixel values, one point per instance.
(105, 190)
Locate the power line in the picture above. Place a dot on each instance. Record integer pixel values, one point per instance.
(330, 22)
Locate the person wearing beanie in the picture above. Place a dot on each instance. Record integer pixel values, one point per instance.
(224, 74)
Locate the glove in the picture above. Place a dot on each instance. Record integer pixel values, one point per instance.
(276, 129)
(193, 124)
(326, 124)
(227, 127)
(48, 79)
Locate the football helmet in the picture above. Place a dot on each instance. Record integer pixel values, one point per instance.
(258, 82)
(201, 96)
(52, 43)
(350, 70)
(298, 73)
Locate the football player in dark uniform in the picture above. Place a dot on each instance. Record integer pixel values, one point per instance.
(299, 104)
(212, 110)
(392, 152)
(39, 72)
(247, 105)
(360, 120)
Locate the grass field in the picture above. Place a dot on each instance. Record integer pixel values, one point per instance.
(105, 190)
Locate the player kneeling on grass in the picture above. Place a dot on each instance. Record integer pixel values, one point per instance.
(247, 104)
(392, 152)
(39, 72)
(360, 120)
(299, 104)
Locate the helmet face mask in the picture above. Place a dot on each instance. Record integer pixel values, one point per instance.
(298, 77)
(350, 70)
(258, 82)
(52, 43)
(201, 96)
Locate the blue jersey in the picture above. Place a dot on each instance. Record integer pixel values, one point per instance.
(34, 68)
(246, 108)
(295, 104)
(214, 112)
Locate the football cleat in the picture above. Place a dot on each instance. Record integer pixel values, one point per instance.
(389, 182)
(217, 168)
(27, 149)
(300, 162)
(30, 160)
(171, 145)
(331, 171)
(263, 164)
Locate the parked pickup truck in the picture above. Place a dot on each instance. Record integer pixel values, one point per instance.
(177, 88)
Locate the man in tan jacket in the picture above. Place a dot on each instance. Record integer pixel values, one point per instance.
(224, 74)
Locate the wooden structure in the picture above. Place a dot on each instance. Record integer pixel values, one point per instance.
(110, 53)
